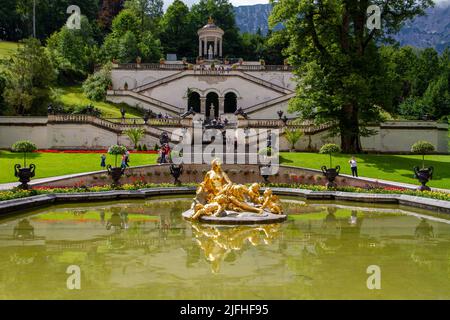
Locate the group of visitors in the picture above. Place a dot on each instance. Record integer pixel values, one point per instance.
(164, 154)
(161, 116)
(213, 69)
(124, 163)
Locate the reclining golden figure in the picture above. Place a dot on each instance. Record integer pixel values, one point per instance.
(217, 194)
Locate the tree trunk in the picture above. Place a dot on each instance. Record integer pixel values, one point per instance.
(349, 130)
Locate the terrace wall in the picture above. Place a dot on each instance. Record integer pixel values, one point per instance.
(92, 133)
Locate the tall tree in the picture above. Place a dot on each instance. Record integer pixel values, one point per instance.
(148, 11)
(338, 61)
(178, 34)
(109, 10)
(29, 74)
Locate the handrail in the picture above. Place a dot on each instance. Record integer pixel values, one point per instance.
(176, 66)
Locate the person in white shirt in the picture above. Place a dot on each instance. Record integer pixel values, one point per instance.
(354, 166)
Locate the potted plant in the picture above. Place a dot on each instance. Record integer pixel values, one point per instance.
(138, 60)
(23, 173)
(262, 62)
(162, 61)
(292, 136)
(116, 172)
(423, 174)
(330, 173)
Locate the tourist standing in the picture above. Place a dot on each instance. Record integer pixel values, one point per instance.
(127, 158)
(123, 165)
(103, 161)
(354, 166)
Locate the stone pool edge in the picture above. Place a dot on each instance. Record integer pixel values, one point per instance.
(9, 206)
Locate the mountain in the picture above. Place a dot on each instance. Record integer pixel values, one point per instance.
(251, 18)
(431, 30)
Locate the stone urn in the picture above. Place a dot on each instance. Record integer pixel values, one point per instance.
(116, 173)
(331, 174)
(176, 171)
(423, 175)
(24, 174)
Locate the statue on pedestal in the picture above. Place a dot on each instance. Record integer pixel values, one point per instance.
(218, 197)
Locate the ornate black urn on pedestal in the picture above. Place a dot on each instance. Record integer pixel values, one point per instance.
(423, 175)
(331, 174)
(24, 174)
(116, 173)
(176, 170)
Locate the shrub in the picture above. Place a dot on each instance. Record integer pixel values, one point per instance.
(139, 148)
(329, 149)
(96, 84)
(24, 146)
(422, 148)
(144, 147)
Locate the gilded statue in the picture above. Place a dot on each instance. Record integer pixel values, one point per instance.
(216, 195)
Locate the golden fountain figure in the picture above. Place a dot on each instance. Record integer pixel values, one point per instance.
(218, 197)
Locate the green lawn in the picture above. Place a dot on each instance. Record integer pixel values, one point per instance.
(386, 167)
(74, 96)
(7, 49)
(56, 164)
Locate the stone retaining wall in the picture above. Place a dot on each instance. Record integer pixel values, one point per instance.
(194, 173)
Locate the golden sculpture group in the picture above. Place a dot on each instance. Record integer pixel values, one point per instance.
(217, 194)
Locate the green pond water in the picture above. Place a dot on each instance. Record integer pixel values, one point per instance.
(145, 250)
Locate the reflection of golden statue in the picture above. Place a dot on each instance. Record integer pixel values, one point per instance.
(217, 194)
(217, 243)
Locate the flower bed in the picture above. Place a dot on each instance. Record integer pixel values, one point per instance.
(17, 193)
(88, 151)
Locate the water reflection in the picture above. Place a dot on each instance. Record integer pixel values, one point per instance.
(23, 230)
(144, 249)
(424, 230)
(226, 243)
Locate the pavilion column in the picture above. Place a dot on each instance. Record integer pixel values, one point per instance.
(216, 53)
(221, 106)
(200, 47)
(220, 50)
(203, 105)
(205, 47)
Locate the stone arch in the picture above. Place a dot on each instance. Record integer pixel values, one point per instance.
(194, 101)
(212, 105)
(212, 90)
(230, 102)
(238, 96)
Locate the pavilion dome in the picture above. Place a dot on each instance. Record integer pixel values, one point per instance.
(210, 26)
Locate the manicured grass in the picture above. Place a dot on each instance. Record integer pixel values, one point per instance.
(74, 96)
(7, 49)
(57, 164)
(387, 167)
